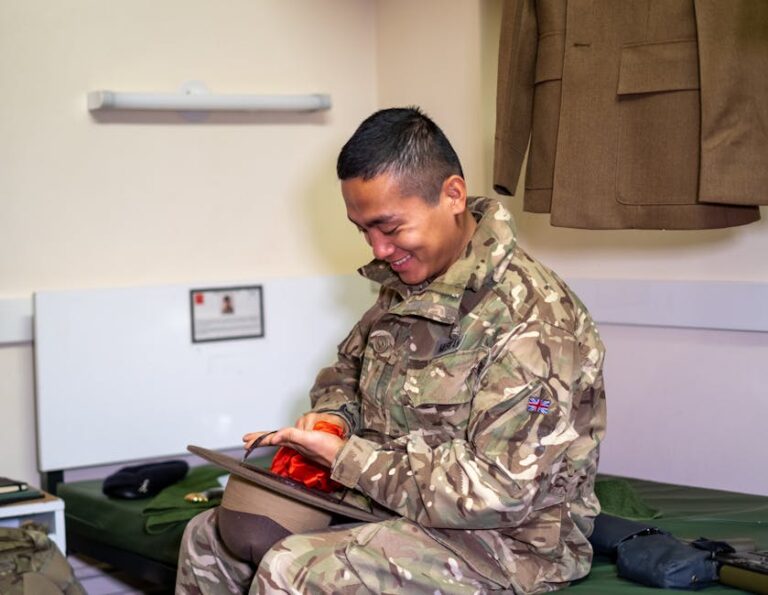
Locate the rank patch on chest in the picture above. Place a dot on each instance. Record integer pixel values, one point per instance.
(537, 405)
(447, 345)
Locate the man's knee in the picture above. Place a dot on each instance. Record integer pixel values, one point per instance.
(313, 562)
(279, 564)
(205, 564)
(199, 532)
(195, 551)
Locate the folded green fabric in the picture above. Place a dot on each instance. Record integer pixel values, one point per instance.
(169, 507)
(618, 497)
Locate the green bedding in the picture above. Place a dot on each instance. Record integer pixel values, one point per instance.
(687, 513)
(684, 511)
(119, 523)
(123, 523)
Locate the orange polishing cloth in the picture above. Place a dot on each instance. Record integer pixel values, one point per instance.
(289, 463)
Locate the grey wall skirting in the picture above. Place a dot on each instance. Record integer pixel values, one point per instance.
(717, 305)
(721, 305)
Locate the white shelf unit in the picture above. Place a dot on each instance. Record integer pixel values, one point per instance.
(48, 511)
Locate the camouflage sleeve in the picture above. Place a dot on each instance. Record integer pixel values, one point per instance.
(512, 459)
(336, 387)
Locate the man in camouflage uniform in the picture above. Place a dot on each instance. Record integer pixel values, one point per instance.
(471, 392)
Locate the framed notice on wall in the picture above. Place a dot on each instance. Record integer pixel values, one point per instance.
(226, 313)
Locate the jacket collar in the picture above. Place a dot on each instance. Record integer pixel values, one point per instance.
(485, 260)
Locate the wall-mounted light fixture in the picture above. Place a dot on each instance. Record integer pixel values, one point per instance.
(195, 97)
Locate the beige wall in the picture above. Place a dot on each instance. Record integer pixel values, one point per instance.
(146, 199)
(431, 54)
(670, 390)
(441, 54)
(154, 198)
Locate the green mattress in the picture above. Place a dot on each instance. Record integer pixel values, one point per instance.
(89, 514)
(686, 512)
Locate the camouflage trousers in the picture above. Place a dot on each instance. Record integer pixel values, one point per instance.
(393, 556)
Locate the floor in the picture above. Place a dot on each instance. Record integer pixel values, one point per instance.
(98, 578)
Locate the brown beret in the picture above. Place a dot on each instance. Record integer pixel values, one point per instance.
(259, 491)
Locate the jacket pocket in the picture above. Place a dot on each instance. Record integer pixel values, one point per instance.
(505, 428)
(658, 132)
(438, 396)
(659, 67)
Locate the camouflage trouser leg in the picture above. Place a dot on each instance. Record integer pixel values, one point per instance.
(387, 557)
(205, 565)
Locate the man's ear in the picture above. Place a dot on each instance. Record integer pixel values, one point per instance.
(455, 190)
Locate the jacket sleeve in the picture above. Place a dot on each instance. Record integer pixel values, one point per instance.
(336, 387)
(513, 461)
(732, 40)
(514, 95)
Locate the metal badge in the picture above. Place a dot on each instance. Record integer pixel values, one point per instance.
(382, 342)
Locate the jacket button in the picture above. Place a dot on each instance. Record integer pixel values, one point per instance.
(381, 341)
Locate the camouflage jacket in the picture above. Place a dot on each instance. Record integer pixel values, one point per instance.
(31, 564)
(477, 408)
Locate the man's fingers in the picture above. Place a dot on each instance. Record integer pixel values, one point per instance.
(252, 437)
(288, 436)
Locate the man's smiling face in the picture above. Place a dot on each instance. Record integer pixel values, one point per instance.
(419, 240)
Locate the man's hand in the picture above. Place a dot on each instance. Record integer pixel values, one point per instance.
(320, 447)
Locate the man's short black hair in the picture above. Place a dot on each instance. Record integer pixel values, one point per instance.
(404, 142)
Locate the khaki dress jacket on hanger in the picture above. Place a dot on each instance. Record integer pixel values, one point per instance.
(640, 113)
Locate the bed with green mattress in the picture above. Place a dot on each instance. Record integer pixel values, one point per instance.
(143, 536)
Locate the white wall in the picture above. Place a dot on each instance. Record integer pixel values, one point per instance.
(687, 406)
(141, 200)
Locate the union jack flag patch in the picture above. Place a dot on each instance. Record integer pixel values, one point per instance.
(537, 405)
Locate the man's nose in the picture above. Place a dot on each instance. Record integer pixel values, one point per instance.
(381, 246)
